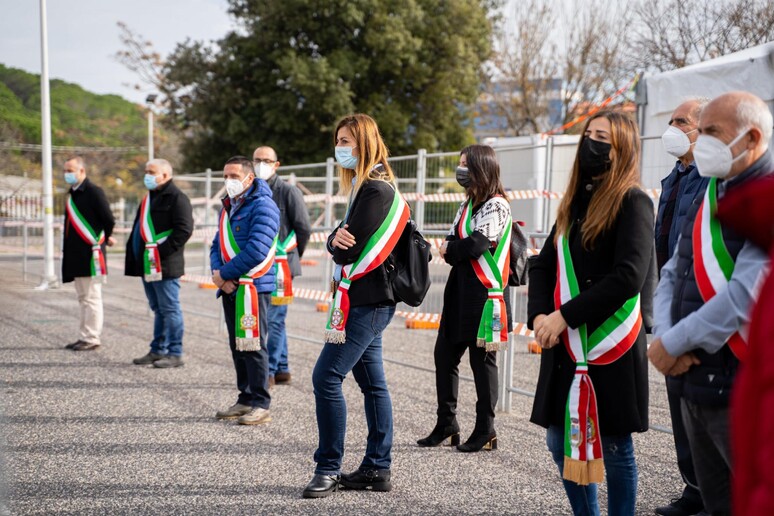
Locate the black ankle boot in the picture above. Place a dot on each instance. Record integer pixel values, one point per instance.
(477, 442)
(448, 435)
(370, 479)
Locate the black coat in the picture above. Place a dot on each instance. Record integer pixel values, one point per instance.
(369, 209)
(76, 253)
(464, 296)
(293, 217)
(609, 274)
(170, 209)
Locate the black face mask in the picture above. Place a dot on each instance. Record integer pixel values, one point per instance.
(593, 158)
(463, 177)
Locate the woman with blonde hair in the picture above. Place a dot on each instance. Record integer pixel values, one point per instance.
(363, 305)
(584, 305)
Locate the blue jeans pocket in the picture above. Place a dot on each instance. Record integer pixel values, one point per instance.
(381, 318)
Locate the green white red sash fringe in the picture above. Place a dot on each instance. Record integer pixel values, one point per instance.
(283, 286)
(375, 252)
(712, 263)
(492, 271)
(88, 235)
(151, 256)
(582, 445)
(247, 327)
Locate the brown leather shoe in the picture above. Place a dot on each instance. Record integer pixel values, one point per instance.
(86, 346)
(282, 378)
(271, 382)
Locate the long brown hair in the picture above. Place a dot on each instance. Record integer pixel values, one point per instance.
(484, 173)
(623, 175)
(371, 151)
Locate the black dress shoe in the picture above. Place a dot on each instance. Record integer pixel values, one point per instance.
(372, 479)
(321, 486)
(73, 344)
(680, 507)
(477, 442)
(442, 436)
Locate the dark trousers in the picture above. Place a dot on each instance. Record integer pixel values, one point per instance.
(252, 367)
(447, 360)
(682, 446)
(708, 432)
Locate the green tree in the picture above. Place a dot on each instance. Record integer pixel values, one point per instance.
(291, 68)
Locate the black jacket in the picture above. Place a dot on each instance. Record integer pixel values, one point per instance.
(170, 209)
(76, 253)
(369, 209)
(293, 217)
(709, 383)
(464, 296)
(609, 274)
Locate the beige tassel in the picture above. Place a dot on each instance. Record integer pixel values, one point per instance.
(576, 471)
(596, 469)
(335, 337)
(279, 301)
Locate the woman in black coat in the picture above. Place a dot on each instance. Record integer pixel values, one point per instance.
(466, 300)
(604, 235)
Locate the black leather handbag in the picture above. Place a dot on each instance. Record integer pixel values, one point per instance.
(410, 276)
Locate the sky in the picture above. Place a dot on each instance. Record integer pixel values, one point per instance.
(83, 36)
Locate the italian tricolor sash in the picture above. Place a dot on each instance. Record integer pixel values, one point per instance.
(151, 257)
(492, 271)
(376, 251)
(582, 447)
(87, 233)
(247, 318)
(283, 287)
(712, 263)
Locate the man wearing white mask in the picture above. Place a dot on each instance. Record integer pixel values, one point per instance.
(155, 253)
(678, 192)
(294, 231)
(88, 227)
(708, 285)
(242, 262)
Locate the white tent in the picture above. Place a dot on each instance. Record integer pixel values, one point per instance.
(749, 70)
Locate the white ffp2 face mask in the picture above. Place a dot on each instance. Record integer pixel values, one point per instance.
(264, 171)
(234, 187)
(713, 157)
(676, 142)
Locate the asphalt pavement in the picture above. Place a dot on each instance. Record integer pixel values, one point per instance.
(90, 433)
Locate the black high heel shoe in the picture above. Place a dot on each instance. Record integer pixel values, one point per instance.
(479, 442)
(442, 436)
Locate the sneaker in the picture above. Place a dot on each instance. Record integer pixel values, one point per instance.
(256, 416)
(371, 479)
(86, 346)
(148, 359)
(73, 344)
(168, 361)
(282, 378)
(680, 507)
(233, 412)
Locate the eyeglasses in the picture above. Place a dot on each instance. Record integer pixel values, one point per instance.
(265, 160)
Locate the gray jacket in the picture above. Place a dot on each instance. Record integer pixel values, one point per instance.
(293, 217)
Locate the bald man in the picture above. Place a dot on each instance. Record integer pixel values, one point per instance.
(293, 236)
(679, 190)
(708, 285)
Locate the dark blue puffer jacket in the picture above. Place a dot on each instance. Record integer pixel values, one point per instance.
(254, 223)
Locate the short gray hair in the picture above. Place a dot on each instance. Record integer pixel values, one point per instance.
(163, 165)
(701, 103)
(77, 159)
(755, 113)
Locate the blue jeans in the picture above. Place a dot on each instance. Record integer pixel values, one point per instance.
(164, 299)
(251, 366)
(361, 354)
(620, 473)
(277, 341)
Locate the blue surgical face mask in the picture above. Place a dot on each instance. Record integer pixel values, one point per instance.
(345, 158)
(70, 178)
(150, 182)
